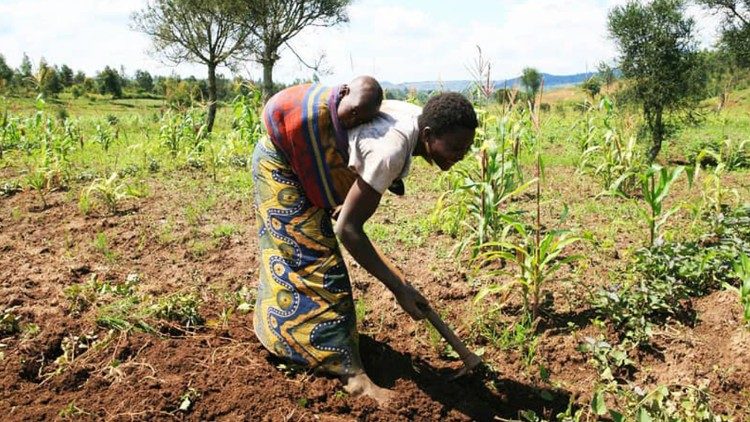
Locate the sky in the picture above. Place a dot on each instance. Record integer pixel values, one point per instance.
(395, 41)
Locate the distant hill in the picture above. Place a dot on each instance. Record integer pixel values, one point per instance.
(550, 81)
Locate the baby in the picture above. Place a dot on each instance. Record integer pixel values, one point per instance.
(360, 101)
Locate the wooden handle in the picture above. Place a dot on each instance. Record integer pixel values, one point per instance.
(467, 356)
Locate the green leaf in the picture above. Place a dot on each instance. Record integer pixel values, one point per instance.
(616, 416)
(642, 415)
(597, 404)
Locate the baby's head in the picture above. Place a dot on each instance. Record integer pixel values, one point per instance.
(360, 101)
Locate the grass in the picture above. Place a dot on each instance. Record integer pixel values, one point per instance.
(196, 222)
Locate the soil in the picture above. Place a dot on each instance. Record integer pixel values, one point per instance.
(219, 371)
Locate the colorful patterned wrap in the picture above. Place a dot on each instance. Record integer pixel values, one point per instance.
(304, 311)
(302, 122)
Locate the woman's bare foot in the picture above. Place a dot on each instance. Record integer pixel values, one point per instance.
(361, 384)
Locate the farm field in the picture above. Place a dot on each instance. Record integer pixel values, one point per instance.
(128, 271)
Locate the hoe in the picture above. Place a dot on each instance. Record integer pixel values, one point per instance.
(470, 359)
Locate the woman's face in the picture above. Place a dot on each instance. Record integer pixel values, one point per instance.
(450, 147)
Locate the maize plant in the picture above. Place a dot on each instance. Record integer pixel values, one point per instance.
(655, 183)
(481, 187)
(714, 195)
(742, 270)
(608, 155)
(535, 262)
(109, 191)
(247, 120)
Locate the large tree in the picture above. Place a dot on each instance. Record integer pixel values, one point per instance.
(735, 37)
(275, 22)
(109, 82)
(659, 60)
(207, 32)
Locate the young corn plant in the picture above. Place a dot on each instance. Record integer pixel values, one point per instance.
(608, 154)
(481, 187)
(536, 258)
(110, 192)
(655, 183)
(742, 270)
(715, 197)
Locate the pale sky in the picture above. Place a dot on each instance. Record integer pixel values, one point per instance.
(395, 41)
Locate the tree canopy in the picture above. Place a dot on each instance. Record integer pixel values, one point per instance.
(274, 22)
(531, 79)
(659, 58)
(208, 32)
(735, 37)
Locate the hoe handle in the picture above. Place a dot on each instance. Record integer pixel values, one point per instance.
(467, 356)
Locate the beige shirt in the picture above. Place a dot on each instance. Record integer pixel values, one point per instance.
(380, 150)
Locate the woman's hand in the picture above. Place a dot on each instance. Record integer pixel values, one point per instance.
(412, 301)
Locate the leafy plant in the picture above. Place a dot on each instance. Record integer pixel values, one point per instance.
(607, 152)
(9, 322)
(742, 269)
(110, 192)
(535, 262)
(655, 183)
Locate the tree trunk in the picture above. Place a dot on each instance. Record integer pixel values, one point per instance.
(267, 80)
(211, 97)
(268, 60)
(657, 133)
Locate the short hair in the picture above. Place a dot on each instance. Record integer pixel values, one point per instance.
(368, 83)
(446, 112)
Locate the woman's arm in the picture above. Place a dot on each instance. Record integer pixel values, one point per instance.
(360, 204)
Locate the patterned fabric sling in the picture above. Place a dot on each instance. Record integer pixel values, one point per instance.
(304, 310)
(303, 124)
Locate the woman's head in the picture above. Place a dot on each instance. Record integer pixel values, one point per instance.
(446, 127)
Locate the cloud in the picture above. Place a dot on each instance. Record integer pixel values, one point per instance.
(395, 41)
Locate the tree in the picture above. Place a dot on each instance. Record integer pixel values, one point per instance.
(275, 22)
(109, 82)
(197, 31)
(592, 86)
(6, 73)
(79, 78)
(144, 80)
(25, 69)
(531, 79)
(66, 75)
(735, 37)
(46, 80)
(659, 58)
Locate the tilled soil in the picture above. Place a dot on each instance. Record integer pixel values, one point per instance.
(220, 372)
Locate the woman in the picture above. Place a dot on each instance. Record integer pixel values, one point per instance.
(305, 311)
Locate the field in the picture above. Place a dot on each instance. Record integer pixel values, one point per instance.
(128, 271)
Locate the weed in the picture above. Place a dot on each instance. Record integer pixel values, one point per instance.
(71, 411)
(10, 188)
(224, 230)
(188, 398)
(110, 192)
(38, 180)
(178, 307)
(101, 245)
(9, 322)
